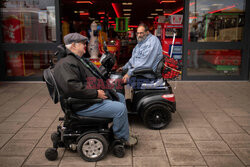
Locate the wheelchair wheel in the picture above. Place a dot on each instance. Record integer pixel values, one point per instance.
(92, 147)
(157, 116)
(119, 151)
(51, 154)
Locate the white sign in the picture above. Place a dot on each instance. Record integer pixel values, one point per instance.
(176, 19)
(42, 15)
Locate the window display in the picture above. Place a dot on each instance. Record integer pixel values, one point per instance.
(216, 21)
(27, 63)
(214, 62)
(28, 21)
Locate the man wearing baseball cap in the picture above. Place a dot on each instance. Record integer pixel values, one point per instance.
(72, 75)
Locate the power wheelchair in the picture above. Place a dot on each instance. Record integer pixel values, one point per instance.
(91, 137)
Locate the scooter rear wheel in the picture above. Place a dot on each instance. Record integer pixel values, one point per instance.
(157, 116)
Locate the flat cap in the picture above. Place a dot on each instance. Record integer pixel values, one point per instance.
(74, 38)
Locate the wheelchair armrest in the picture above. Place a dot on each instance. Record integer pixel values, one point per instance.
(71, 100)
(143, 71)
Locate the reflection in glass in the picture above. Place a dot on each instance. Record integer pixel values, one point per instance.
(26, 21)
(28, 63)
(214, 62)
(216, 20)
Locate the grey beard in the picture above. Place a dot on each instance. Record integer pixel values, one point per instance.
(141, 39)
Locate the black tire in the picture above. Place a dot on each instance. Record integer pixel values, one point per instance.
(157, 116)
(55, 137)
(96, 147)
(51, 154)
(119, 151)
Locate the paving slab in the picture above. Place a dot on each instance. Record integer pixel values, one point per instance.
(246, 128)
(223, 123)
(213, 148)
(45, 141)
(237, 140)
(30, 133)
(112, 160)
(185, 156)
(149, 148)
(237, 111)
(243, 154)
(75, 162)
(4, 138)
(10, 127)
(13, 161)
(175, 126)
(242, 120)
(37, 158)
(177, 140)
(18, 148)
(159, 161)
(223, 160)
(37, 122)
(204, 134)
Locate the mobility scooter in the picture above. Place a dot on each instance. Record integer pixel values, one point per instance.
(152, 98)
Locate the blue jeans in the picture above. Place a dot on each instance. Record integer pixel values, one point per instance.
(111, 109)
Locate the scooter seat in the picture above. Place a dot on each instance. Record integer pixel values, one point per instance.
(156, 84)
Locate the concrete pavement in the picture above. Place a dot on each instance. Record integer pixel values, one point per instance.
(210, 128)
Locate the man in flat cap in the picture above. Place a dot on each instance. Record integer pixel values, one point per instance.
(72, 74)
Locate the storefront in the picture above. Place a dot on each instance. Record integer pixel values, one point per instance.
(215, 36)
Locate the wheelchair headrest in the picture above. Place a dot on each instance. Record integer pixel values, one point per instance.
(61, 51)
(51, 85)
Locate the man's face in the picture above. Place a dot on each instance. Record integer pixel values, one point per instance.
(141, 35)
(81, 48)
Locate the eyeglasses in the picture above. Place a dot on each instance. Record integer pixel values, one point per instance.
(140, 33)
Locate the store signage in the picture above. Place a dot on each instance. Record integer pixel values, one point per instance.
(122, 24)
(176, 19)
(42, 16)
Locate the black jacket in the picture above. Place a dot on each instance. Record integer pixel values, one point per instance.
(71, 76)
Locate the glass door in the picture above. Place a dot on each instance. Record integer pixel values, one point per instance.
(215, 45)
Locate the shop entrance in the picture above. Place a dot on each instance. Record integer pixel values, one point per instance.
(211, 37)
(116, 24)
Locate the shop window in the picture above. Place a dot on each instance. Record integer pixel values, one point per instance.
(216, 21)
(214, 62)
(27, 63)
(28, 21)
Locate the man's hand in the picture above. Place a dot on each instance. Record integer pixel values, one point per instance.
(125, 78)
(101, 94)
(119, 69)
